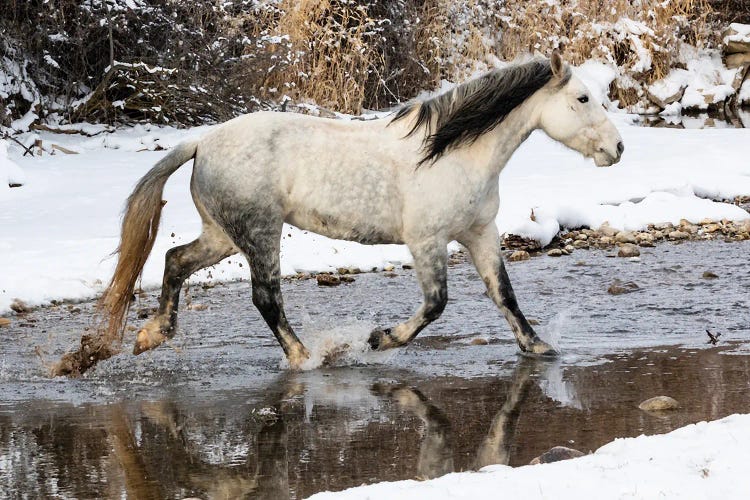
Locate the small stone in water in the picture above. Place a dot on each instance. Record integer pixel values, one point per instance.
(327, 280)
(628, 250)
(555, 252)
(19, 306)
(709, 275)
(659, 403)
(4, 322)
(519, 255)
(479, 341)
(618, 287)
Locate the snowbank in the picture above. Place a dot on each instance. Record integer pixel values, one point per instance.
(704, 460)
(60, 227)
(10, 173)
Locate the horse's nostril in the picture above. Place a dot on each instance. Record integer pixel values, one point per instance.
(620, 147)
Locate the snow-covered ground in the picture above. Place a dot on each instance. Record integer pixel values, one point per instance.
(704, 460)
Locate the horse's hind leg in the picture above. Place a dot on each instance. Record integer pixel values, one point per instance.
(430, 260)
(484, 246)
(261, 246)
(182, 261)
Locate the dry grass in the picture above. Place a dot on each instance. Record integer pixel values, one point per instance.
(341, 54)
(585, 29)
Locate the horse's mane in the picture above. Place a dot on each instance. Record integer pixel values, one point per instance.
(461, 115)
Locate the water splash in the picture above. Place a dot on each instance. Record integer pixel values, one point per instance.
(552, 333)
(343, 344)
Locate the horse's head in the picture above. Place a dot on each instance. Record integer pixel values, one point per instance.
(572, 116)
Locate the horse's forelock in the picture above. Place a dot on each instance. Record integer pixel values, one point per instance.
(470, 110)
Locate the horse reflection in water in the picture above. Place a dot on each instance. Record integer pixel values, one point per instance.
(269, 477)
(436, 450)
(303, 433)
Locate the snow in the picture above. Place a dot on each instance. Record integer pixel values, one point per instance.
(10, 173)
(597, 76)
(738, 33)
(710, 82)
(670, 85)
(706, 460)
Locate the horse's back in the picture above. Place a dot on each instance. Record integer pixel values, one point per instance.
(334, 177)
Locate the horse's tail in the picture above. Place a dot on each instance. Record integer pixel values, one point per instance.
(139, 227)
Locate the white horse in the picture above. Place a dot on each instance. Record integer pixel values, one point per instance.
(424, 177)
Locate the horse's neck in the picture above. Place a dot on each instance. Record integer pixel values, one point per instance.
(504, 139)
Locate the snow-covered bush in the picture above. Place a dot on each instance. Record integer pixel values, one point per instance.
(188, 62)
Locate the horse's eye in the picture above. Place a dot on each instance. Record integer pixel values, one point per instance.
(583, 99)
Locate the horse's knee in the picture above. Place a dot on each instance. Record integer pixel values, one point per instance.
(435, 304)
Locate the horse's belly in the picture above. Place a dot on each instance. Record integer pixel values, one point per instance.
(369, 231)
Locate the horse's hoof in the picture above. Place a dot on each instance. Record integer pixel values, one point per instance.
(297, 358)
(147, 339)
(381, 340)
(540, 349)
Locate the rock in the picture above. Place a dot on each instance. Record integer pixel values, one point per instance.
(4, 322)
(556, 454)
(688, 227)
(658, 235)
(555, 252)
(708, 275)
(606, 230)
(625, 237)
(712, 228)
(659, 403)
(569, 248)
(404, 266)
(644, 239)
(628, 250)
(618, 287)
(389, 268)
(19, 306)
(346, 279)
(327, 280)
(479, 341)
(197, 307)
(606, 241)
(733, 40)
(519, 255)
(580, 244)
(678, 235)
(664, 226)
(744, 226)
(664, 101)
(582, 236)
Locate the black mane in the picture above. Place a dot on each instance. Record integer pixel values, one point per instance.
(463, 114)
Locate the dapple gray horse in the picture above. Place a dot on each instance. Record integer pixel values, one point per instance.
(423, 177)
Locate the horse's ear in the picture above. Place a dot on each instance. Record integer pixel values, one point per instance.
(556, 62)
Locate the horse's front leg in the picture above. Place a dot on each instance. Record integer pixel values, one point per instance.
(430, 261)
(484, 246)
